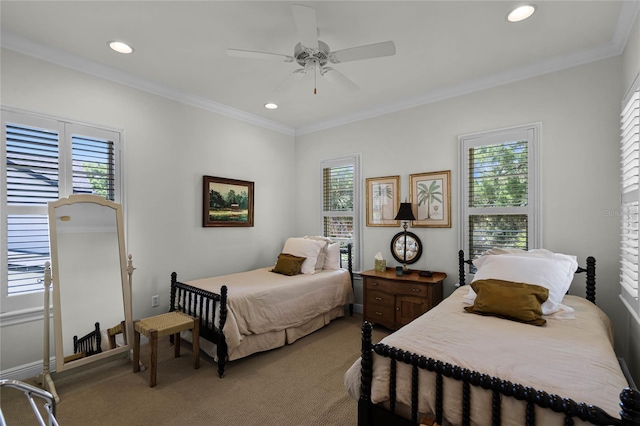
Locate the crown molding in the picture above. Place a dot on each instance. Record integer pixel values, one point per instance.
(629, 11)
(22, 45)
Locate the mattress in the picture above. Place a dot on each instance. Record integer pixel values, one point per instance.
(572, 358)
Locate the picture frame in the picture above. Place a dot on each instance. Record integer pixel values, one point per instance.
(383, 200)
(430, 195)
(227, 202)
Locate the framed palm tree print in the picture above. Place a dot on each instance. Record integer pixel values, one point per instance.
(430, 195)
(383, 201)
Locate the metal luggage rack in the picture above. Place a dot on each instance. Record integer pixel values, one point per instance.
(30, 392)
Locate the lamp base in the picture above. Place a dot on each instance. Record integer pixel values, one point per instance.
(407, 272)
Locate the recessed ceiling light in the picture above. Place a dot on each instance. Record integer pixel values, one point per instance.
(120, 47)
(521, 13)
(270, 105)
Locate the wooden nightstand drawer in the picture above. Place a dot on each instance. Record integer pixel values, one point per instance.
(412, 289)
(381, 285)
(384, 314)
(375, 297)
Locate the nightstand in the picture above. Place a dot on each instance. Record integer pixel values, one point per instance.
(393, 301)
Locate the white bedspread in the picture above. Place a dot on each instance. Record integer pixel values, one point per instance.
(573, 358)
(261, 301)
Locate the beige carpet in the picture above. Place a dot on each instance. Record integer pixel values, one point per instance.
(299, 384)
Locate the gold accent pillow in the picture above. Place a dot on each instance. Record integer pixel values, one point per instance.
(288, 264)
(505, 299)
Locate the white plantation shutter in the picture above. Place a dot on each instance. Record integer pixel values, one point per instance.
(45, 159)
(499, 190)
(32, 164)
(630, 197)
(340, 202)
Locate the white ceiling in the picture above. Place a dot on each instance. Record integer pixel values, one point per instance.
(444, 48)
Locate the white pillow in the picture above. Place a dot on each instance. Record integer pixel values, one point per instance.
(323, 253)
(332, 260)
(554, 271)
(306, 248)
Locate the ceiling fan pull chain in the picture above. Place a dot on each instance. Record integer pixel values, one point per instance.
(315, 80)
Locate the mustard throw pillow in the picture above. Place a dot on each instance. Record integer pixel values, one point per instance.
(505, 299)
(288, 264)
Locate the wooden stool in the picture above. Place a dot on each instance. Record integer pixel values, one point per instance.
(164, 325)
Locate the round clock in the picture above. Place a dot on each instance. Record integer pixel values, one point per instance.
(413, 245)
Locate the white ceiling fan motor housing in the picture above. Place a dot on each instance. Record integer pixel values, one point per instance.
(303, 54)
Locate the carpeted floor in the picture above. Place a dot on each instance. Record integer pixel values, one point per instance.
(299, 384)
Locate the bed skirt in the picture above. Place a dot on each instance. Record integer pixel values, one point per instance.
(254, 343)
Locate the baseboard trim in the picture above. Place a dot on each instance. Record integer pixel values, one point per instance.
(25, 371)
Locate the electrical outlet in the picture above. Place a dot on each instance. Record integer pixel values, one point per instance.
(155, 301)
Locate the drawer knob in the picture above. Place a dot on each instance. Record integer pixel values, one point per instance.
(374, 283)
(378, 298)
(417, 290)
(379, 313)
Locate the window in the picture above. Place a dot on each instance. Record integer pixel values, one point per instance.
(340, 201)
(499, 184)
(45, 159)
(629, 197)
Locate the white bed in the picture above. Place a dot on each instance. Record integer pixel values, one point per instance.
(556, 358)
(571, 355)
(266, 308)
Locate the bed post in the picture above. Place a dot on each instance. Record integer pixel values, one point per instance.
(461, 271)
(172, 302)
(630, 404)
(366, 374)
(222, 344)
(591, 279)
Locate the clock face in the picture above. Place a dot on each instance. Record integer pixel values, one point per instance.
(413, 247)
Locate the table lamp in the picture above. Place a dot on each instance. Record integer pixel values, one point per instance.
(405, 214)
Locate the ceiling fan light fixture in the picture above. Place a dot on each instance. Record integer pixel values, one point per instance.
(521, 13)
(271, 105)
(120, 47)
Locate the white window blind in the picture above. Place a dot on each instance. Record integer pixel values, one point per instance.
(630, 197)
(340, 203)
(498, 179)
(45, 159)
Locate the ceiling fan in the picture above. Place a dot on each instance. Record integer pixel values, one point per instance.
(313, 54)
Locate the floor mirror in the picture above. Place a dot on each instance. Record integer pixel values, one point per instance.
(91, 283)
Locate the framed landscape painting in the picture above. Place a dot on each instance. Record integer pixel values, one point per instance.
(430, 195)
(227, 202)
(383, 201)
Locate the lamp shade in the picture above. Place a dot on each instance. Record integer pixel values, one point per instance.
(405, 212)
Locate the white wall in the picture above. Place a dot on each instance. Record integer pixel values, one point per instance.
(168, 148)
(631, 68)
(579, 110)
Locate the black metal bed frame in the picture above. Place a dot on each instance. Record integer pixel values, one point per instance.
(204, 305)
(373, 414)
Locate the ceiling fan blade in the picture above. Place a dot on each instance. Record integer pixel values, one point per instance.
(259, 55)
(291, 80)
(369, 51)
(337, 78)
(306, 24)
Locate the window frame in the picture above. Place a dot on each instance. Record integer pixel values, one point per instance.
(24, 304)
(629, 215)
(357, 231)
(533, 209)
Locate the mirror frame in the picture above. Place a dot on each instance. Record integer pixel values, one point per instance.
(126, 287)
